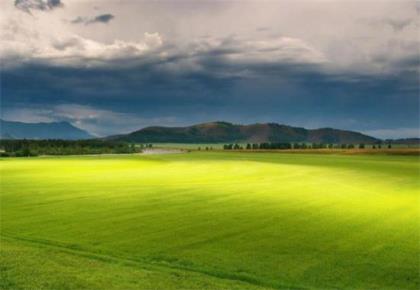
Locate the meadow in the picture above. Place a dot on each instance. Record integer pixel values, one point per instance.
(210, 220)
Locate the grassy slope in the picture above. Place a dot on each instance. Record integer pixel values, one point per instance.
(211, 220)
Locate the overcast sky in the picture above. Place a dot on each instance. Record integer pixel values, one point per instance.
(116, 66)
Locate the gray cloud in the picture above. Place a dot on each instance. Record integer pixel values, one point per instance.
(44, 5)
(148, 90)
(398, 24)
(262, 29)
(79, 20)
(103, 18)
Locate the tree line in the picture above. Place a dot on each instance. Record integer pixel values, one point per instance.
(24, 148)
(284, 146)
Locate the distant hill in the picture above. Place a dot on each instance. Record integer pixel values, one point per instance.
(405, 141)
(220, 132)
(54, 130)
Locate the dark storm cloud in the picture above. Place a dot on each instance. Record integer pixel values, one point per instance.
(299, 94)
(28, 5)
(411, 63)
(104, 18)
(144, 84)
(232, 81)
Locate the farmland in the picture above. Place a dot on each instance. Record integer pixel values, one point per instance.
(211, 220)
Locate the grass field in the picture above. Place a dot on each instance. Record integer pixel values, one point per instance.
(211, 220)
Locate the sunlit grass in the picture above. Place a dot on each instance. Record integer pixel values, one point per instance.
(265, 220)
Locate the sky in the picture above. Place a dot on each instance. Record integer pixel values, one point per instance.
(112, 67)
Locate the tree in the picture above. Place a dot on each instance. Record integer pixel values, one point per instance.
(248, 146)
(63, 147)
(264, 146)
(361, 146)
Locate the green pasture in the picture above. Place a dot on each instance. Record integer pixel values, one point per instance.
(210, 220)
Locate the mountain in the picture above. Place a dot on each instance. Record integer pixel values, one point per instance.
(221, 132)
(54, 130)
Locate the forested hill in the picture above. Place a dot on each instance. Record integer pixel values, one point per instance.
(219, 132)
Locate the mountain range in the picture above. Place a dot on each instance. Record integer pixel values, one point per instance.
(212, 132)
(224, 132)
(54, 130)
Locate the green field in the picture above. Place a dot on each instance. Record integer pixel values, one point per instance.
(210, 220)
